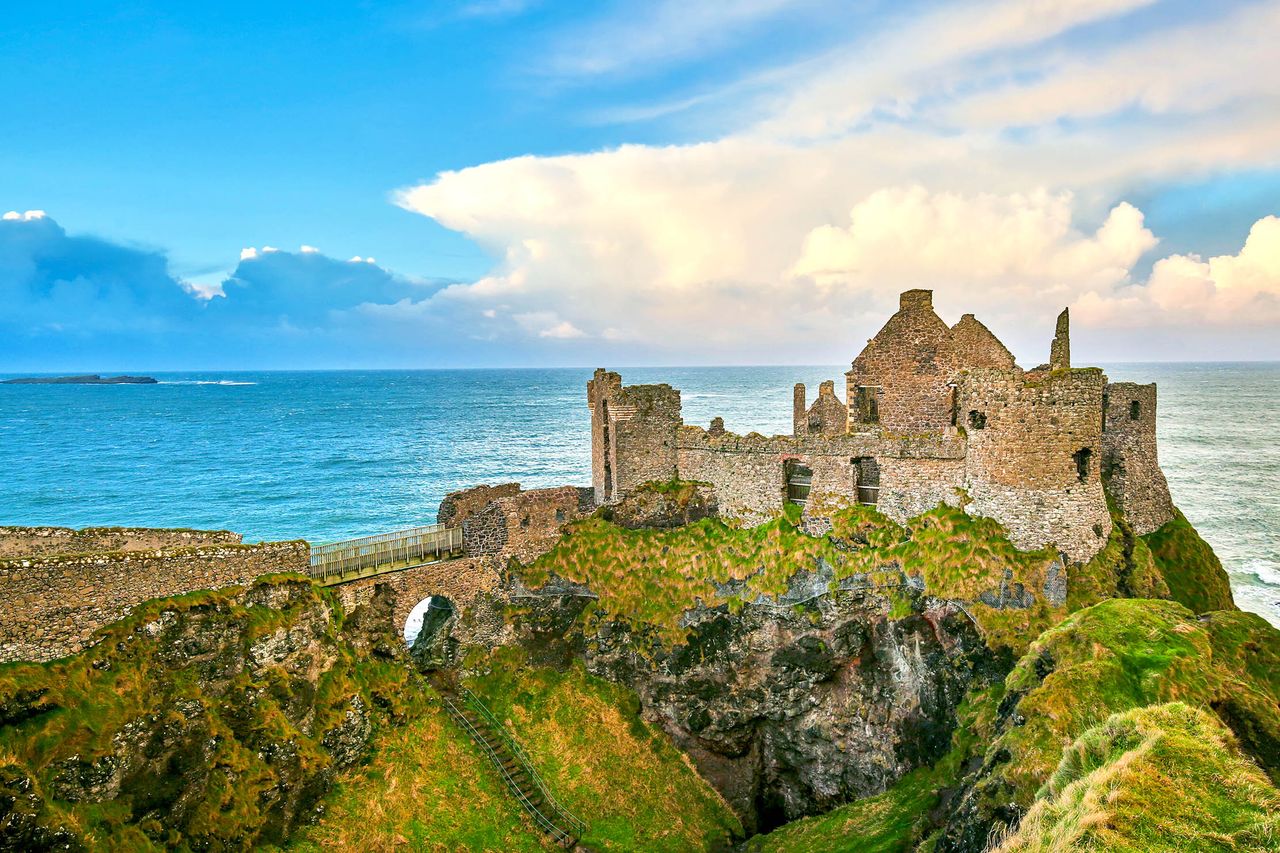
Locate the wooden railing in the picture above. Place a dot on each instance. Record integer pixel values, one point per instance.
(398, 549)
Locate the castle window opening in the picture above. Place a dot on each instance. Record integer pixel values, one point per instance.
(1082, 458)
(560, 515)
(866, 402)
(977, 420)
(1105, 399)
(1135, 410)
(607, 450)
(799, 481)
(955, 402)
(866, 480)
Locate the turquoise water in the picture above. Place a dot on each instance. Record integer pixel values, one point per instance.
(329, 455)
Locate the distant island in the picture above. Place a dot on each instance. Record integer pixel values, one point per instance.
(91, 379)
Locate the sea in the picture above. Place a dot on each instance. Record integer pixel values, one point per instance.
(337, 454)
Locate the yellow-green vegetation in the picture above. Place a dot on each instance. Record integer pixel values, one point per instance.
(162, 735)
(602, 762)
(1163, 778)
(652, 576)
(896, 820)
(1193, 572)
(1126, 653)
(427, 786)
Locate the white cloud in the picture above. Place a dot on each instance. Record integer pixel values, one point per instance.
(880, 166)
(267, 250)
(309, 250)
(28, 216)
(248, 253)
(1230, 290)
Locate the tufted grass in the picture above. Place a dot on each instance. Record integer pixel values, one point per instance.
(1192, 571)
(1162, 778)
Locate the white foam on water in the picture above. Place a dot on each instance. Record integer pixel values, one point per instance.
(205, 382)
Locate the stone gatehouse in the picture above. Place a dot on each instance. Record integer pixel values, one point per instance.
(932, 413)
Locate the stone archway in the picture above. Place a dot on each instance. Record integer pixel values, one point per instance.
(427, 632)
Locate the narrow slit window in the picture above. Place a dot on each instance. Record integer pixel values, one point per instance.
(1083, 459)
(1135, 410)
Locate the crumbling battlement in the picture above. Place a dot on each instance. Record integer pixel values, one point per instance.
(1131, 468)
(934, 413)
(33, 541)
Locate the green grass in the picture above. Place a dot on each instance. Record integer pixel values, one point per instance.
(602, 762)
(1192, 571)
(1162, 778)
(427, 787)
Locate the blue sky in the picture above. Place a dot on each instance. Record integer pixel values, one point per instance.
(630, 182)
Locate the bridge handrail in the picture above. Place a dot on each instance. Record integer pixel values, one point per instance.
(479, 707)
(340, 558)
(548, 825)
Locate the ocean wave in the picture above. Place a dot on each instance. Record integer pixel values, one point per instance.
(205, 382)
(1264, 571)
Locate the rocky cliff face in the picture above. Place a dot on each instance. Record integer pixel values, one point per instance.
(210, 721)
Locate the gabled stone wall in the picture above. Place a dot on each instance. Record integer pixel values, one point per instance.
(633, 434)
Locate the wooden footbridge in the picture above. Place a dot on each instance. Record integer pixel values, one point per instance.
(340, 562)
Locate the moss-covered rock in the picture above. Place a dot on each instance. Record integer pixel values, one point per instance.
(210, 720)
(1110, 658)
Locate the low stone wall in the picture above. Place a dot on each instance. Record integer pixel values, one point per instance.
(51, 605)
(37, 541)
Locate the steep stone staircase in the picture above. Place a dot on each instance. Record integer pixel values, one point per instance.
(512, 764)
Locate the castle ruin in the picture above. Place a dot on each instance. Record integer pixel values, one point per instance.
(932, 414)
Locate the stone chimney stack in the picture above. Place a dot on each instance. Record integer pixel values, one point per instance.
(799, 410)
(916, 300)
(1060, 351)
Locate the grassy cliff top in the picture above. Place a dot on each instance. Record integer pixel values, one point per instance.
(1162, 778)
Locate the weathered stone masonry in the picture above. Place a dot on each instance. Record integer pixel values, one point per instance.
(31, 541)
(932, 414)
(52, 604)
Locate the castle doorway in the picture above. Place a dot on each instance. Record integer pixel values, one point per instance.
(799, 481)
(866, 480)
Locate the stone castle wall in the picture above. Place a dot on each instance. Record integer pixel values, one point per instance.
(1130, 467)
(1034, 456)
(749, 472)
(828, 415)
(522, 524)
(53, 604)
(633, 434)
(35, 541)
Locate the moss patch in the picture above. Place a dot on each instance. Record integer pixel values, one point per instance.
(1124, 654)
